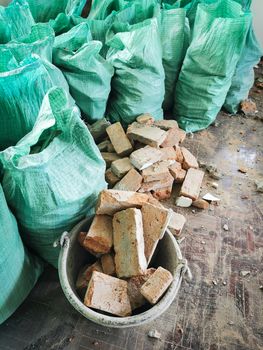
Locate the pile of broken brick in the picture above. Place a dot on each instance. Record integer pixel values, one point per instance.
(149, 158)
(143, 163)
(124, 236)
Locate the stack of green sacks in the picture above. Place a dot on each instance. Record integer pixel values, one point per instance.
(19, 270)
(53, 175)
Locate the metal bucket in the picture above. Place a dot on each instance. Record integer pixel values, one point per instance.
(73, 256)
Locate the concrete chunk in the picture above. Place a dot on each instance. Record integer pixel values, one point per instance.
(111, 178)
(183, 202)
(147, 134)
(119, 139)
(166, 124)
(176, 223)
(156, 171)
(99, 238)
(85, 274)
(173, 137)
(121, 167)
(166, 181)
(108, 294)
(134, 288)
(156, 285)
(108, 264)
(155, 221)
(146, 118)
(109, 158)
(145, 157)
(129, 243)
(189, 160)
(192, 183)
(130, 182)
(111, 201)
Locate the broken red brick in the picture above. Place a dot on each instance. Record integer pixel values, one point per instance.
(192, 183)
(119, 139)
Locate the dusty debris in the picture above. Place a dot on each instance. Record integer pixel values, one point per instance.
(214, 282)
(244, 273)
(156, 285)
(214, 185)
(200, 203)
(211, 198)
(259, 186)
(225, 227)
(153, 333)
(248, 107)
(242, 170)
(183, 202)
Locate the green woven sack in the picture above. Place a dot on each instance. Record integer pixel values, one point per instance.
(53, 176)
(175, 40)
(138, 83)
(243, 78)
(39, 41)
(15, 20)
(22, 88)
(19, 270)
(44, 10)
(218, 38)
(102, 9)
(87, 73)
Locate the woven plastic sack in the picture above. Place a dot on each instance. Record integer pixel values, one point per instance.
(22, 88)
(44, 10)
(87, 73)
(138, 83)
(15, 20)
(102, 9)
(219, 33)
(53, 176)
(175, 40)
(39, 41)
(243, 78)
(19, 270)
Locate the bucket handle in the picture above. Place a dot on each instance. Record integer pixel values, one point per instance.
(63, 241)
(185, 270)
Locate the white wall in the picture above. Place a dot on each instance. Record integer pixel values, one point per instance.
(257, 11)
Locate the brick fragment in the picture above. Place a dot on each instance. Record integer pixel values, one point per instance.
(146, 118)
(110, 148)
(192, 183)
(163, 193)
(177, 172)
(109, 158)
(166, 181)
(144, 157)
(103, 146)
(147, 134)
(176, 223)
(134, 288)
(120, 167)
(111, 178)
(130, 182)
(183, 202)
(189, 159)
(156, 171)
(85, 274)
(168, 153)
(166, 124)
(108, 264)
(111, 201)
(179, 154)
(156, 285)
(119, 139)
(109, 294)
(155, 221)
(200, 203)
(173, 137)
(129, 243)
(99, 238)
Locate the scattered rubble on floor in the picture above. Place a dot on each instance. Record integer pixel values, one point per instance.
(225, 227)
(259, 185)
(244, 273)
(143, 165)
(248, 107)
(153, 333)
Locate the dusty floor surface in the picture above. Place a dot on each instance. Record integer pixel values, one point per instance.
(219, 308)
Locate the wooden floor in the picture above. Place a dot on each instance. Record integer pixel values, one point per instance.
(219, 308)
